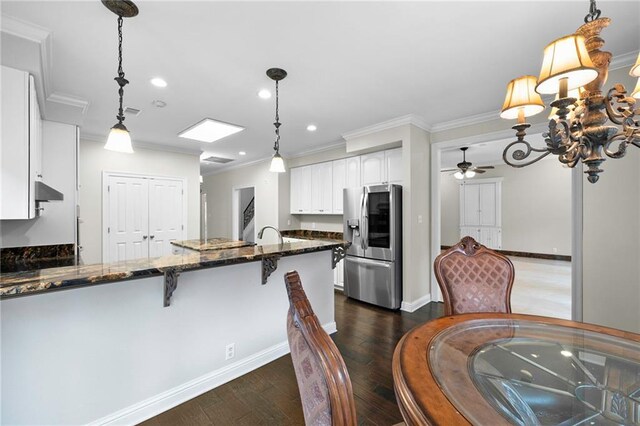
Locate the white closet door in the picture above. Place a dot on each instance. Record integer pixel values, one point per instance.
(471, 205)
(487, 204)
(128, 218)
(166, 222)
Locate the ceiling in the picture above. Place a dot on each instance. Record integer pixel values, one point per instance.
(350, 64)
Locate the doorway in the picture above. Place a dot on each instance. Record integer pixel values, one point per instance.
(545, 247)
(244, 211)
(142, 215)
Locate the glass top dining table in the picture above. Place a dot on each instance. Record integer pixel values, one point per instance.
(517, 369)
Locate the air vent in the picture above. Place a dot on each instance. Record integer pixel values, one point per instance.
(132, 111)
(219, 160)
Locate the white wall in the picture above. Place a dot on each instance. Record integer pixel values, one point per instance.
(536, 207)
(113, 353)
(94, 159)
(57, 225)
(219, 188)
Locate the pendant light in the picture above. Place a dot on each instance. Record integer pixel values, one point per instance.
(119, 138)
(277, 162)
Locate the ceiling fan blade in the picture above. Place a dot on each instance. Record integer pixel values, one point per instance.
(449, 170)
(485, 167)
(479, 171)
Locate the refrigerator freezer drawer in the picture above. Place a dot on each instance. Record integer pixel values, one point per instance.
(373, 281)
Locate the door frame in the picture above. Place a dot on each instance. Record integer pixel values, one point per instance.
(105, 203)
(577, 181)
(235, 211)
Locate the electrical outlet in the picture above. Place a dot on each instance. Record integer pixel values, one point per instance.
(419, 218)
(230, 351)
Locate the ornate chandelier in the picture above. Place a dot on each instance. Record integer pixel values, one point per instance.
(586, 125)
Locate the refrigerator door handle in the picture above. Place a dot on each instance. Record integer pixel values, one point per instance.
(365, 222)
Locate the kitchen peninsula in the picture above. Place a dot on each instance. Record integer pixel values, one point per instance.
(72, 351)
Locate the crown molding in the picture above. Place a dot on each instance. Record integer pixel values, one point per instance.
(389, 124)
(144, 145)
(238, 166)
(624, 60)
(465, 121)
(318, 150)
(70, 100)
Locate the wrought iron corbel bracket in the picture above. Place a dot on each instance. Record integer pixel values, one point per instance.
(269, 265)
(337, 254)
(170, 284)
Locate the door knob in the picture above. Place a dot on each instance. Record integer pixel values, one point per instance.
(144, 237)
(152, 236)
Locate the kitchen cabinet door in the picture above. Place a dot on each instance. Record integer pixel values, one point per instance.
(294, 192)
(339, 183)
(322, 188)
(300, 197)
(373, 169)
(17, 198)
(393, 165)
(353, 178)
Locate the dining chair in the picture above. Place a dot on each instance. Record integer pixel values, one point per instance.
(474, 278)
(323, 379)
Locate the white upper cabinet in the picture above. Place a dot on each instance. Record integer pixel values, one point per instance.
(21, 143)
(372, 168)
(300, 190)
(318, 188)
(393, 165)
(339, 183)
(322, 188)
(353, 173)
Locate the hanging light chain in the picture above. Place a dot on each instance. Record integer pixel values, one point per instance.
(276, 146)
(120, 78)
(594, 12)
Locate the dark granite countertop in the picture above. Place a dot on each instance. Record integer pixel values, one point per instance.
(211, 244)
(44, 280)
(312, 234)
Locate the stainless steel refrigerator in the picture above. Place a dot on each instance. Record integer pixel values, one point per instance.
(373, 224)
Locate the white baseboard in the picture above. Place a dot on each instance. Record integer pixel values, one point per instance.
(164, 401)
(415, 305)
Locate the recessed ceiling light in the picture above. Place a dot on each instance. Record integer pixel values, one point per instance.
(242, 153)
(159, 104)
(209, 130)
(264, 94)
(312, 127)
(158, 82)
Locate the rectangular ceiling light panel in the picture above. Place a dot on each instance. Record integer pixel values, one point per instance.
(209, 130)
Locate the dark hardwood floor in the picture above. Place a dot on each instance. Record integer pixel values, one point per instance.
(366, 337)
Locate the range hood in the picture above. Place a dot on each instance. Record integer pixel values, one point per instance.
(46, 193)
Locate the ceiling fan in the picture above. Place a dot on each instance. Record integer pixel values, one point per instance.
(466, 169)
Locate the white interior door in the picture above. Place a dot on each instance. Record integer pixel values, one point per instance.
(166, 222)
(128, 218)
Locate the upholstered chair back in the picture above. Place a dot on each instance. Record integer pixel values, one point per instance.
(474, 278)
(323, 380)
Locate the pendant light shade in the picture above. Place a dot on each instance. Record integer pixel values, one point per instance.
(565, 58)
(636, 91)
(119, 139)
(522, 98)
(635, 70)
(277, 164)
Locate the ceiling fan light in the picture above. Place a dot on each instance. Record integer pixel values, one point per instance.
(119, 139)
(469, 173)
(521, 95)
(277, 163)
(566, 57)
(458, 175)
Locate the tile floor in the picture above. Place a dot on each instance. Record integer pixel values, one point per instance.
(542, 287)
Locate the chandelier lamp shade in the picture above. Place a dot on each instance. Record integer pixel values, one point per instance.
(587, 125)
(119, 138)
(277, 162)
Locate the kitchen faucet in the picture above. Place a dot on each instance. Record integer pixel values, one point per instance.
(275, 229)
